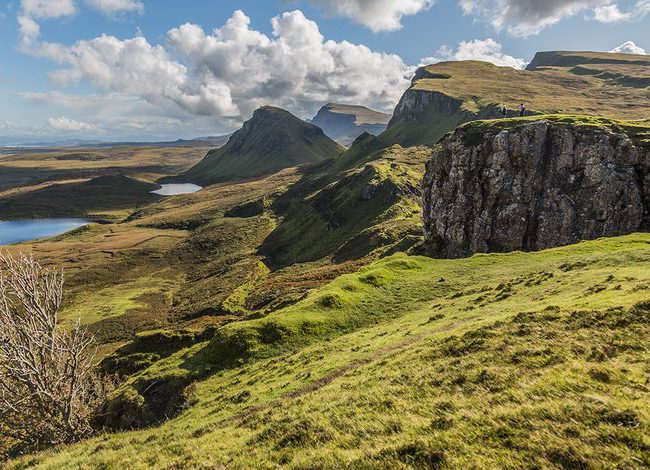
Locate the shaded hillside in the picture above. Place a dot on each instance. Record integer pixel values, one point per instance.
(534, 183)
(346, 213)
(445, 95)
(344, 123)
(105, 193)
(273, 139)
(495, 361)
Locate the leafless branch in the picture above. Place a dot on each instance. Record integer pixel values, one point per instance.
(48, 389)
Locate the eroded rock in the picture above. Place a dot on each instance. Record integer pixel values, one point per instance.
(533, 185)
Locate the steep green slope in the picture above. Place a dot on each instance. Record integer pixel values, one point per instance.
(273, 139)
(360, 203)
(496, 361)
(445, 95)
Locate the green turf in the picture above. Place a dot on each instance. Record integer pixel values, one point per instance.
(496, 361)
(638, 130)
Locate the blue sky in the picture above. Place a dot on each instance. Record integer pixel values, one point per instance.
(145, 69)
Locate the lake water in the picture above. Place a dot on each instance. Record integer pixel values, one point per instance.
(176, 189)
(16, 231)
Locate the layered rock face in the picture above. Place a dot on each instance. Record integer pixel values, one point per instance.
(344, 123)
(533, 185)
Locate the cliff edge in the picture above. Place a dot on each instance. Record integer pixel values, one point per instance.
(535, 183)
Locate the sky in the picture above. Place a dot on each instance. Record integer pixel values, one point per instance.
(143, 70)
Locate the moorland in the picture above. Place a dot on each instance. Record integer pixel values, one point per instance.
(288, 314)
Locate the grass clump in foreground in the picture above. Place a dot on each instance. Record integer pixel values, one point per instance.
(496, 361)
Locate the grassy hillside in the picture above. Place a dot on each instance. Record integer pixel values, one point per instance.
(238, 249)
(272, 140)
(500, 361)
(350, 208)
(448, 94)
(103, 196)
(560, 90)
(266, 320)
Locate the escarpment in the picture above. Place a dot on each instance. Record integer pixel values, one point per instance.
(529, 185)
(425, 113)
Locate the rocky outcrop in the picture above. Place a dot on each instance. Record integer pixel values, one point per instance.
(521, 185)
(415, 104)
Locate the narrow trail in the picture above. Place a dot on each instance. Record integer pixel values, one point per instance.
(338, 373)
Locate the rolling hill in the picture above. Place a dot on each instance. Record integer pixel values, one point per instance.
(272, 140)
(344, 123)
(92, 198)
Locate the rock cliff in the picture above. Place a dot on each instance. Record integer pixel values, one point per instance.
(344, 123)
(527, 185)
(424, 114)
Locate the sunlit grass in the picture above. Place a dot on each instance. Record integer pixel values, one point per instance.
(493, 361)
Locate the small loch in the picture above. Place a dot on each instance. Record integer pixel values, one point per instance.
(16, 231)
(177, 189)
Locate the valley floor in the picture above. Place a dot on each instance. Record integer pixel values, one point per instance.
(497, 361)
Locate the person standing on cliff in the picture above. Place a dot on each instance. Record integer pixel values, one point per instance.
(522, 110)
(504, 112)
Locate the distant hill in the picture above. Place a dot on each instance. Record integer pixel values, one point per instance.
(344, 123)
(574, 58)
(273, 139)
(445, 95)
(216, 141)
(79, 199)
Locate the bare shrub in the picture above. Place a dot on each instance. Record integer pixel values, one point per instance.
(49, 392)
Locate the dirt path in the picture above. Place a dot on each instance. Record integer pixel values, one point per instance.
(338, 373)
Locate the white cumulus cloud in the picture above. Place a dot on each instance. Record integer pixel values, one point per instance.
(378, 15)
(235, 69)
(629, 47)
(112, 7)
(613, 14)
(486, 50)
(64, 124)
(47, 9)
(525, 18)
(136, 67)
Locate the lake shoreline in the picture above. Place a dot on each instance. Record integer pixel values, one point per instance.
(13, 232)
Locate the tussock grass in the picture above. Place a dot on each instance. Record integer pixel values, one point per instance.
(414, 362)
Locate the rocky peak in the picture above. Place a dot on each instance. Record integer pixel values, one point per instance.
(530, 185)
(271, 140)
